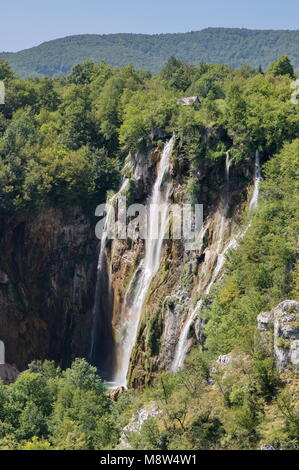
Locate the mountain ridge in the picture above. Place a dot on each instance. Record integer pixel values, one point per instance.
(230, 46)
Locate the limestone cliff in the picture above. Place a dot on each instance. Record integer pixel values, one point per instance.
(280, 328)
(48, 272)
(47, 277)
(183, 275)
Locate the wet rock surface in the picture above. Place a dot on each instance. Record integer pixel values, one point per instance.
(8, 373)
(47, 277)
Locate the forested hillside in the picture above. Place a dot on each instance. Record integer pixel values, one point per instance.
(65, 145)
(226, 46)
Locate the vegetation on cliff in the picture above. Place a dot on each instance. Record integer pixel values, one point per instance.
(64, 141)
(263, 271)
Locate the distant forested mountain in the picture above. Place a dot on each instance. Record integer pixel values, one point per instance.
(215, 45)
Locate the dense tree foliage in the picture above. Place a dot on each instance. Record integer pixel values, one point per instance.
(282, 66)
(64, 141)
(201, 407)
(262, 271)
(47, 408)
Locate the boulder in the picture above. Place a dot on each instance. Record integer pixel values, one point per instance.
(8, 373)
(136, 422)
(283, 323)
(265, 321)
(115, 394)
(294, 353)
(223, 362)
(225, 359)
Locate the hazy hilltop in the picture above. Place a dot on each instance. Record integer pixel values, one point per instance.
(230, 46)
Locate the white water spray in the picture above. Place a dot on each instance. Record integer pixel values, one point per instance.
(138, 287)
(257, 180)
(225, 203)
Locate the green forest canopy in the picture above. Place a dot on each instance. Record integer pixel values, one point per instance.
(64, 141)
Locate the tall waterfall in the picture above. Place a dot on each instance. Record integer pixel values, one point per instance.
(102, 343)
(141, 280)
(183, 343)
(225, 203)
(257, 180)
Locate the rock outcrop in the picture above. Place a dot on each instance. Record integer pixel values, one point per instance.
(183, 275)
(136, 423)
(281, 325)
(8, 373)
(116, 393)
(48, 263)
(267, 447)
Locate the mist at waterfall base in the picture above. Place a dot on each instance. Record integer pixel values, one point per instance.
(183, 343)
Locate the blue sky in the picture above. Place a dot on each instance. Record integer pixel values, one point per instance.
(25, 23)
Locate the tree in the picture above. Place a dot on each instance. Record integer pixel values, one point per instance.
(48, 98)
(145, 111)
(20, 133)
(83, 376)
(78, 125)
(6, 72)
(108, 103)
(176, 74)
(82, 74)
(31, 389)
(19, 94)
(82, 409)
(282, 66)
(32, 422)
(37, 444)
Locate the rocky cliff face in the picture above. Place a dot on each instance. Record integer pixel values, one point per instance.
(47, 277)
(183, 279)
(280, 327)
(8, 373)
(48, 265)
(183, 275)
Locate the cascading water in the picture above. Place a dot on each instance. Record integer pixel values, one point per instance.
(101, 350)
(141, 280)
(183, 343)
(225, 203)
(257, 180)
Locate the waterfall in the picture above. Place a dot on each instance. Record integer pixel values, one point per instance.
(257, 180)
(141, 280)
(183, 343)
(225, 207)
(101, 350)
